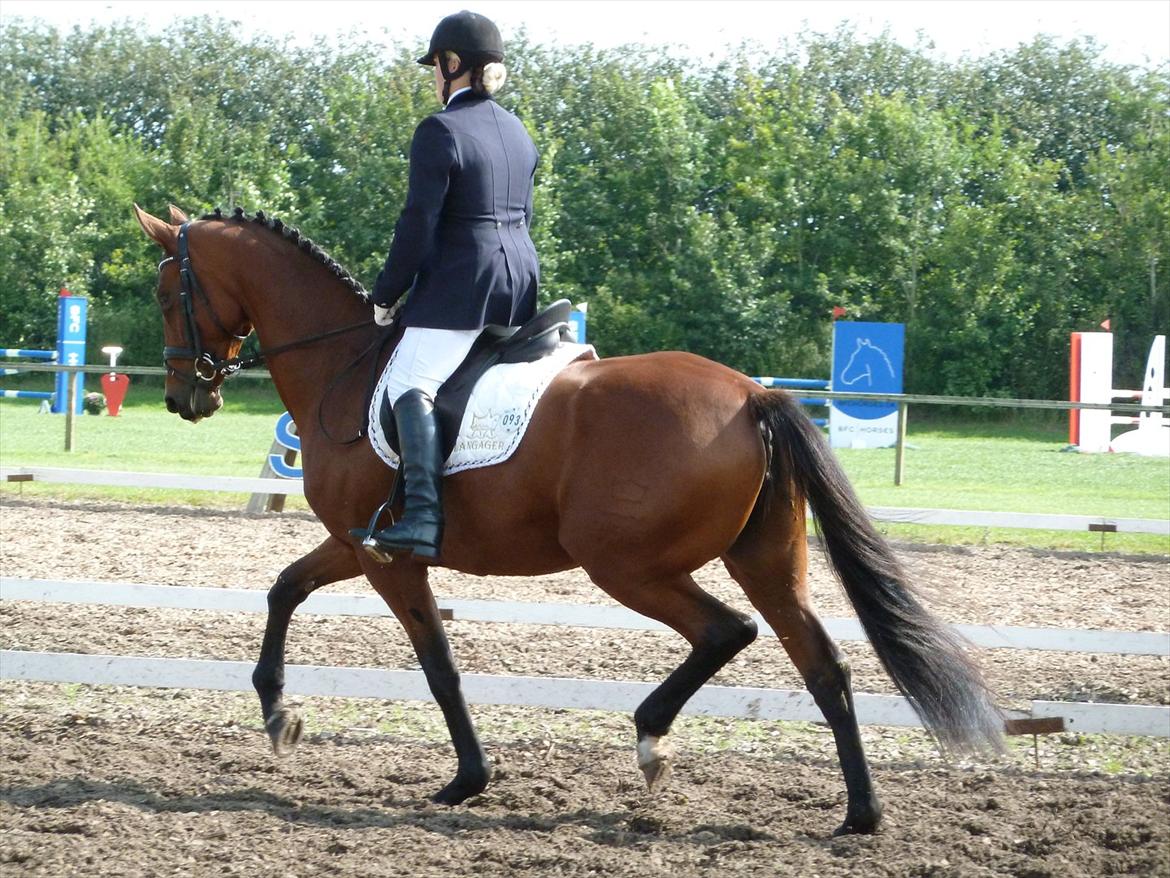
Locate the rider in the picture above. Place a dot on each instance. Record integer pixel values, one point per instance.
(462, 249)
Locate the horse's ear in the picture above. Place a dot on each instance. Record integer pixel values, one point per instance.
(162, 233)
(177, 216)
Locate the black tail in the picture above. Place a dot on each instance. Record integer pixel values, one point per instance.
(924, 657)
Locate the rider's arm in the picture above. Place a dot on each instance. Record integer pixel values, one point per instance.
(432, 158)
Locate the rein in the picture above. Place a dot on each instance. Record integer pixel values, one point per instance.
(205, 368)
(377, 346)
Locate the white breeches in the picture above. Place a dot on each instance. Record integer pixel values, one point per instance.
(425, 358)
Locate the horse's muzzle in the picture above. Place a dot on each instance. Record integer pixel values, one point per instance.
(200, 403)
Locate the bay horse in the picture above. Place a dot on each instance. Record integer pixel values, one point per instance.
(637, 469)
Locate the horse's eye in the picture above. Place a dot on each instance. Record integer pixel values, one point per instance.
(164, 298)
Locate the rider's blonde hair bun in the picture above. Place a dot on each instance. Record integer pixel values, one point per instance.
(494, 75)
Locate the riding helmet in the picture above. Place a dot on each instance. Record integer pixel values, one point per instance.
(468, 35)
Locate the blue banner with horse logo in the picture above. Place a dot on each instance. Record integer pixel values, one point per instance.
(867, 358)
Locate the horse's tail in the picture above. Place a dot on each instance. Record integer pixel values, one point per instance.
(924, 657)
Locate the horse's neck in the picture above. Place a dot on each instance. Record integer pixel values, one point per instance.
(295, 307)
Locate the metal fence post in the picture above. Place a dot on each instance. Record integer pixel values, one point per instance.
(900, 448)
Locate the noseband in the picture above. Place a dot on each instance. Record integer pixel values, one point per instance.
(206, 369)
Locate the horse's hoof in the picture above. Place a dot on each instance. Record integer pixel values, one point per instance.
(284, 727)
(862, 820)
(656, 759)
(465, 785)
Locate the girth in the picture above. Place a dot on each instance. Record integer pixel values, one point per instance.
(537, 338)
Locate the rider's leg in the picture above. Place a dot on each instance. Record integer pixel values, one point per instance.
(425, 358)
(421, 527)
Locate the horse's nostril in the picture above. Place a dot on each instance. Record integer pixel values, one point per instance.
(172, 405)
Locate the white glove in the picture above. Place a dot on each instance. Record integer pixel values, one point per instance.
(383, 316)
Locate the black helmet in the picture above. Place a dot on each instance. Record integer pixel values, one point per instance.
(472, 37)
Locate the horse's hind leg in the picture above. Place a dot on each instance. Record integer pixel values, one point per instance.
(331, 561)
(716, 634)
(774, 578)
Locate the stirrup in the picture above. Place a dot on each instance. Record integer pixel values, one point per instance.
(366, 536)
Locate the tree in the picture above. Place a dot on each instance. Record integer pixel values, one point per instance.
(994, 205)
(46, 234)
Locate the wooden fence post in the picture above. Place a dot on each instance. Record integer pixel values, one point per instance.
(271, 502)
(70, 404)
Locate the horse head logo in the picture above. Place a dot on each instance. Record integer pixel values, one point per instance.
(867, 361)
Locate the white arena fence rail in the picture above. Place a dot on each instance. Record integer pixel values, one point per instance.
(242, 600)
(559, 693)
(165, 481)
(893, 515)
(549, 692)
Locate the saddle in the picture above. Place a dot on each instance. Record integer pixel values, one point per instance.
(537, 338)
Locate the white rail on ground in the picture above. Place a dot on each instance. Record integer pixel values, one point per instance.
(128, 594)
(894, 515)
(530, 691)
(548, 692)
(1024, 520)
(180, 481)
(552, 692)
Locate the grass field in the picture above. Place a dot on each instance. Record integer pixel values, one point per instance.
(1015, 465)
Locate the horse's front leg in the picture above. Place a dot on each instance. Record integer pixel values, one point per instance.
(331, 561)
(403, 585)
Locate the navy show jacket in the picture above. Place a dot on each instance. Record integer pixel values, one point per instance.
(461, 246)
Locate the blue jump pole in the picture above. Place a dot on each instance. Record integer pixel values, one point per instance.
(800, 383)
(71, 314)
(26, 394)
(26, 354)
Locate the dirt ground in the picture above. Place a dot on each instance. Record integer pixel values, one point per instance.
(136, 782)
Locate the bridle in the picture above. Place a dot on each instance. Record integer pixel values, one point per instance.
(207, 370)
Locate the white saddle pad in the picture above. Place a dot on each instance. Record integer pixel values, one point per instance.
(497, 414)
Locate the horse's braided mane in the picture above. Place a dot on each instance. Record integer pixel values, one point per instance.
(294, 236)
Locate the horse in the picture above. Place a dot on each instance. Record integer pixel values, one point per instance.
(637, 469)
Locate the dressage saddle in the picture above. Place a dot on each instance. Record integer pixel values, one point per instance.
(537, 338)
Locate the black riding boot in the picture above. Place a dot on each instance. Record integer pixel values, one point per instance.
(421, 527)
